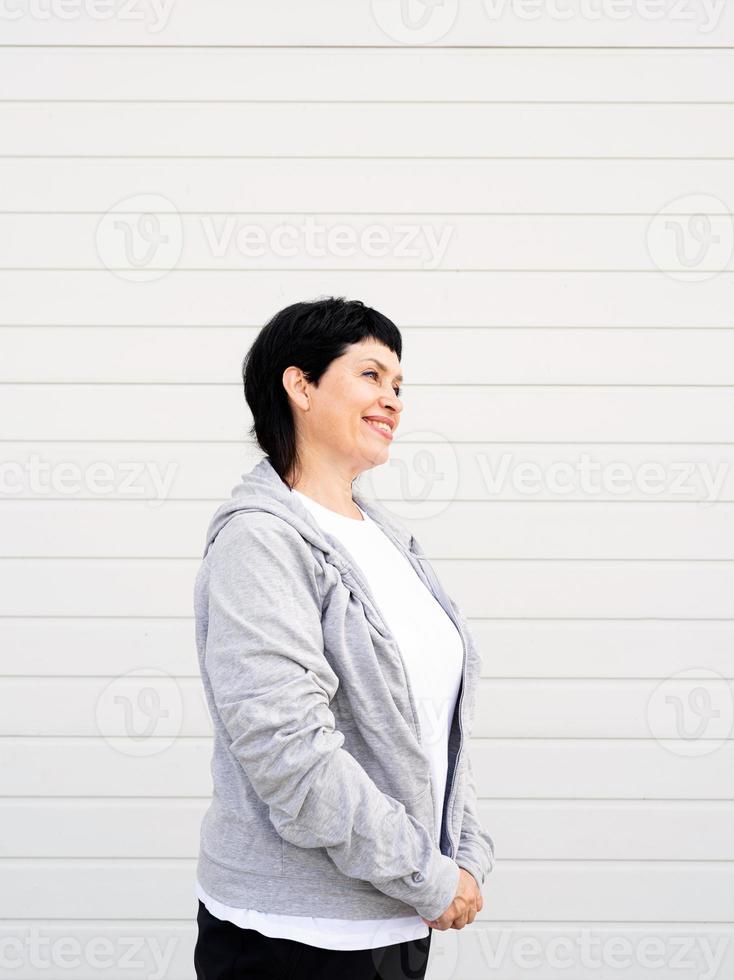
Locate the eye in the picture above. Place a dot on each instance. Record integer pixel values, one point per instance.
(397, 390)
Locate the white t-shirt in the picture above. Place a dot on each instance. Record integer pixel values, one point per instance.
(432, 651)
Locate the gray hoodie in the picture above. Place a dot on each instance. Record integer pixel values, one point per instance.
(322, 798)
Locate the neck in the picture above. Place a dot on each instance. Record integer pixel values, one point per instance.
(327, 484)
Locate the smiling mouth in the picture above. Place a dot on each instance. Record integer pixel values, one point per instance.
(382, 430)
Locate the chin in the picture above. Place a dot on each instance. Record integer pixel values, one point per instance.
(375, 459)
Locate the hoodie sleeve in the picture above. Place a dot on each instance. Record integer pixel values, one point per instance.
(272, 685)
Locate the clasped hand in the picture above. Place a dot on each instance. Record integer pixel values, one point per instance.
(463, 909)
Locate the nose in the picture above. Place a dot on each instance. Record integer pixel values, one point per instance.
(391, 403)
(391, 399)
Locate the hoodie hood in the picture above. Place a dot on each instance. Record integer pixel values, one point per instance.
(262, 489)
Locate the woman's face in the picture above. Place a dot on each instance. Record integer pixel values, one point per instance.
(363, 382)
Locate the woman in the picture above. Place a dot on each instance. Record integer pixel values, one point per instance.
(341, 681)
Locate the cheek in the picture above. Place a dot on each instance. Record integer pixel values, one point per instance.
(347, 425)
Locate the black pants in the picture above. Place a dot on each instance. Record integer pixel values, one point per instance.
(225, 951)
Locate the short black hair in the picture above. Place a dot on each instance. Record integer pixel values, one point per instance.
(309, 335)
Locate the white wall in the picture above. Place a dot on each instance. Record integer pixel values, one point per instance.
(565, 319)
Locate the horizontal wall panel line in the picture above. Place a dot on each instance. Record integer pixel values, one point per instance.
(632, 923)
(488, 619)
(668, 862)
(283, 156)
(143, 618)
(513, 800)
(519, 679)
(691, 928)
(112, 501)
(539, 862)
(528, 48)
(386, 102)
(650, 273)
(475, 740)
(597, 802)
(352, 213)
(665, 562)
(426, 385)
(494, 268)
(408, 442)
(397, 47)
(137, 618)
(542, 739)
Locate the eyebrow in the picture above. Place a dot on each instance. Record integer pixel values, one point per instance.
(381, 366)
